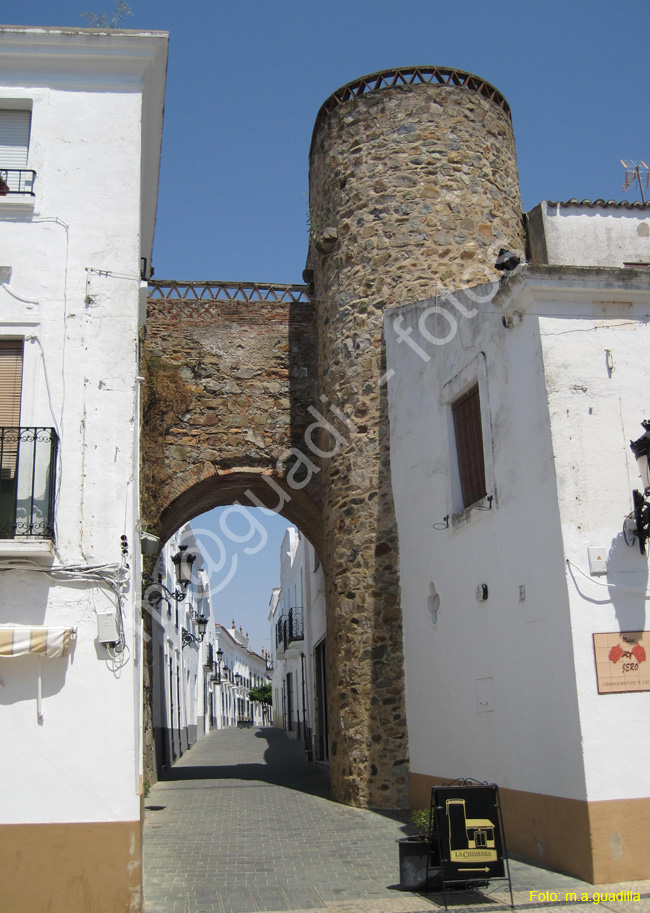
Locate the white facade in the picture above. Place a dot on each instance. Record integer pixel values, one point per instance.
(298, 627)
(504, 688)
(590, 234)
(183, 663)
(241, 670)
(72, 246)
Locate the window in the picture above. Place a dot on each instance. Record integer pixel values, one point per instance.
(11, 373)
(14, 148)
(468, 431)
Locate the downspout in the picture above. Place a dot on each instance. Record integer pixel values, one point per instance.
(304, 709)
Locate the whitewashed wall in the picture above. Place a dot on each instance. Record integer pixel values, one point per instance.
(80, 377)
(586, 234)
(301, 585)
(504, 690)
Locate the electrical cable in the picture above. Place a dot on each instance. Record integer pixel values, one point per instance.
(609, 586)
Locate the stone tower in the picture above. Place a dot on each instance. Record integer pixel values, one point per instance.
(413, 188)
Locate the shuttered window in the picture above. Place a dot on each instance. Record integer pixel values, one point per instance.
(14, 138)
(11, 375)
(469, 446)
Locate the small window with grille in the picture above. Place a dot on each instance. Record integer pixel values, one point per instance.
(468, 431)
(15, 127)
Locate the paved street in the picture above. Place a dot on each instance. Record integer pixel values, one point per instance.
(245, 824)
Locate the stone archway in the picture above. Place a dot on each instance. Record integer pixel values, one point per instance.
(233, 413)
(413, 188)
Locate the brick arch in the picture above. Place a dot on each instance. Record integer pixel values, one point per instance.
(249, 488)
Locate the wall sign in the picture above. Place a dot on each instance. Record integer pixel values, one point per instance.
(622, 662)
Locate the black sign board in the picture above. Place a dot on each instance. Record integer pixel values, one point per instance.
(468, 825)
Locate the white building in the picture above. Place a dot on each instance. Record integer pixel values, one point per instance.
(80, 132)
(240, 670)
(298, 637)
(183, 668)
(525, 620)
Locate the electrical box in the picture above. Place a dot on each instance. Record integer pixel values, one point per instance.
(597, 560)
(107, 632)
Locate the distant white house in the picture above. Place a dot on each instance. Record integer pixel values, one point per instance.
(526, 636)
(80, 132)
(298, 636)
(240, 670)
(184, 666)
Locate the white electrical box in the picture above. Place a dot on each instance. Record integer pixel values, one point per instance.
(107, 632)
(597, 560)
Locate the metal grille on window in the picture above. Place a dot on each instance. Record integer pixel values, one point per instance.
(469, 446)
(14, 149)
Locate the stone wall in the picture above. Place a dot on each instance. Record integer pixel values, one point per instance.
(412, 189)
(248, 367)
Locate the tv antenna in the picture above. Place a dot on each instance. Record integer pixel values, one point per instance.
(636, 171)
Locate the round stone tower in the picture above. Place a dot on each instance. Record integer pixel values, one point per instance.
(413, 189)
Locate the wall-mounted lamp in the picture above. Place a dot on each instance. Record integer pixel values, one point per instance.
(202, 623)
(507, 261)
(183, 561)
(216, 677)
(637, 524)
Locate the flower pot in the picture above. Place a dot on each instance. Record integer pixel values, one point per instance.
(417, 866)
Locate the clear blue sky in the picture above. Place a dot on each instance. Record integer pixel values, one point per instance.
(246, 80)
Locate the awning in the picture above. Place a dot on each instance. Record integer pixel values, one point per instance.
(19, 640)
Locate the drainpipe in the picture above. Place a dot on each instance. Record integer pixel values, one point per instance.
(304, 709)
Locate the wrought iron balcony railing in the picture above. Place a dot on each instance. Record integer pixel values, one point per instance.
(281, 632)
(17, 181)
(296, 624)
(289, 628)
(27, 482)
(209, 657)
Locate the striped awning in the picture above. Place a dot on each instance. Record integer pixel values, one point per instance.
(19, 640)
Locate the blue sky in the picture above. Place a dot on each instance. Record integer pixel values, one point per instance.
(246, 80)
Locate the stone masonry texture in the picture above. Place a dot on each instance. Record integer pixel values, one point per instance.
(249, 370)
(412, 189)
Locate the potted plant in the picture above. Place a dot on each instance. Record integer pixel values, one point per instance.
(419, 865)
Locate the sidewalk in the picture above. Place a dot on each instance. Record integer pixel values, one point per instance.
(244, 824)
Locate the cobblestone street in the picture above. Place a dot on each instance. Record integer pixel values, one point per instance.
(244, 824)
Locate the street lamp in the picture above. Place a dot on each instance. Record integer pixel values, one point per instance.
(216, 678)
(637, 525)
(183, 561)
(188, 638)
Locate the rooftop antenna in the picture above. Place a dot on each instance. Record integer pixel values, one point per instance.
(636, 171)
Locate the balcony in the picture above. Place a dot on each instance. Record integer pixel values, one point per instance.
(296, 624)
(27, 483)
(17, 182)
(289, 628)
(281, 632)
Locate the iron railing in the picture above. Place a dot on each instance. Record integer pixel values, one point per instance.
(17, 181)
(209, 657)
(296, 624)
(281, 632)
(408, 76)
(289, 628)
(177, 290)
(27, 482)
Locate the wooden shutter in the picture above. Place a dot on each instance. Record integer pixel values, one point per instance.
(469, 446)
(11, 375)
(14, 138)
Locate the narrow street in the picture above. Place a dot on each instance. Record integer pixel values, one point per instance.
(244, 824)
